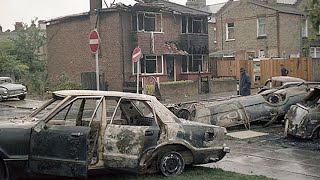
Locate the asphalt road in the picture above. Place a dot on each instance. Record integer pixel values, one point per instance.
(272, 155)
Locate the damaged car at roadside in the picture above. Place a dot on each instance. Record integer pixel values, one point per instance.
(79, 130)
(8, 89)
(269, 105)
(303, 118)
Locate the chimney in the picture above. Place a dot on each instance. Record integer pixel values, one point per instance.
(18, 26)
(95, 4)
(0, 29)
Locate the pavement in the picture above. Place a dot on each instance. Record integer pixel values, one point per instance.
(273, 162)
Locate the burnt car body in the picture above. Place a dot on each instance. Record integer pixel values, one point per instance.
(269, 105)
(78, 130)
(8, 89)
(303, 119)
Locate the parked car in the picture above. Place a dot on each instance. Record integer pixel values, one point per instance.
(80, 130)
(303, 119)
(8, 89)
(269, 105)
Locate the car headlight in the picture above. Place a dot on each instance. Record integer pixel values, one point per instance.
(24, 89)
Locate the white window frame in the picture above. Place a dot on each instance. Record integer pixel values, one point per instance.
(314, 52)
(155, 21)
(262, 54)
(304, 28)
(260, 25)
(134, 65)
(227, 31)
(192, 25)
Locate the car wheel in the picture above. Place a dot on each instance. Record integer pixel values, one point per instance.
(316, 134)
(171, 164)
(22, 97)
(3, 172)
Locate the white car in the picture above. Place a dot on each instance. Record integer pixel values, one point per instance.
(8, 89)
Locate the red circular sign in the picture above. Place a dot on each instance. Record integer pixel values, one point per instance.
(136, 54)
(94, 41)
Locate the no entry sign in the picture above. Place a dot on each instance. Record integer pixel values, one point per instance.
(94, 41)
(136, 54)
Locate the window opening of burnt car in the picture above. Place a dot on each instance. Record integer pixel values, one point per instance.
(80, 111)
(135, 112)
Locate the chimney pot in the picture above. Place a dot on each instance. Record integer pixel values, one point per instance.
(95, 4)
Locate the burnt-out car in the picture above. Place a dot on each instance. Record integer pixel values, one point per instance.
(79, 130)
(8, 89)
(303, 119)
(269, 105)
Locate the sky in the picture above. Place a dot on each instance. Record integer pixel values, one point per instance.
(12, 11)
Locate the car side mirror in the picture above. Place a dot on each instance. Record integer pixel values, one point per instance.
(41, 125)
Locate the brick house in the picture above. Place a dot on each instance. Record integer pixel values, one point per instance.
(173, 39)
(248, 29)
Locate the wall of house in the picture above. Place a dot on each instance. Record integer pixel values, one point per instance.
(68, 49)
(69, 53)
(290, 36)
(244, 15)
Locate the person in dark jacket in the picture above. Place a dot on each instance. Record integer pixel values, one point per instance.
(284, 71)
(245, 83)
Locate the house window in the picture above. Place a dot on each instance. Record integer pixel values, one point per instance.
(315, 52)
(194, 25)
(229, 31)
(304, 28)
(261, 54)
(261, 27)
(192, 63)
(146, 22)
(214, 35)
(150, 65)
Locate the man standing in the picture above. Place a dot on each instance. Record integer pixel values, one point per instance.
(284, 71)
(245, 83)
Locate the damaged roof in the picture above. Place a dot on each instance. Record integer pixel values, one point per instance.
(281, 7)
(171, 7)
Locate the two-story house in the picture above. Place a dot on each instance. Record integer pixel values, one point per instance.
(248, 29)
(173, 39)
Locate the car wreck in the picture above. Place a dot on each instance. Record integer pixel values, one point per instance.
(269, 105)
(8, 89)
(79, 130)
(303, 118)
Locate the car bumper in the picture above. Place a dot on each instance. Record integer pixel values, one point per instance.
(211, 154)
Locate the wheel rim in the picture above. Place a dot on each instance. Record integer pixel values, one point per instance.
(172, 164)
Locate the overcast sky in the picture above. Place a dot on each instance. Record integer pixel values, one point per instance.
(12, 11)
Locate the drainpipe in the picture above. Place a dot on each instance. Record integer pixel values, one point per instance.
(122, 48)
(278, 33)
(221, 24)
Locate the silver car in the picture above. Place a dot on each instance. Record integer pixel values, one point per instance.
(8, 89)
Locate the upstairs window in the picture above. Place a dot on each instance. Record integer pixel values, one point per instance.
(229, 31)
(261, 27)
(194, 25)
(304, 28)
(146, 22)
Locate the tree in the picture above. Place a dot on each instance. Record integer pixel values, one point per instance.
(313, 13)
(8, 60)
(27, 44)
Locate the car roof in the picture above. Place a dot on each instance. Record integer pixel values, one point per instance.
(64, 93)
(1, 78)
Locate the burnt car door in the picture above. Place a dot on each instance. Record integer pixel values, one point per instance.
(60, 144)
(131, 132)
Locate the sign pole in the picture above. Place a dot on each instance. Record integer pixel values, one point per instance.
(97, 71)
(94, 47)
(138, 77)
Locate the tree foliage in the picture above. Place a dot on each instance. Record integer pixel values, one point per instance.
(313, 13)
(24, 56)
